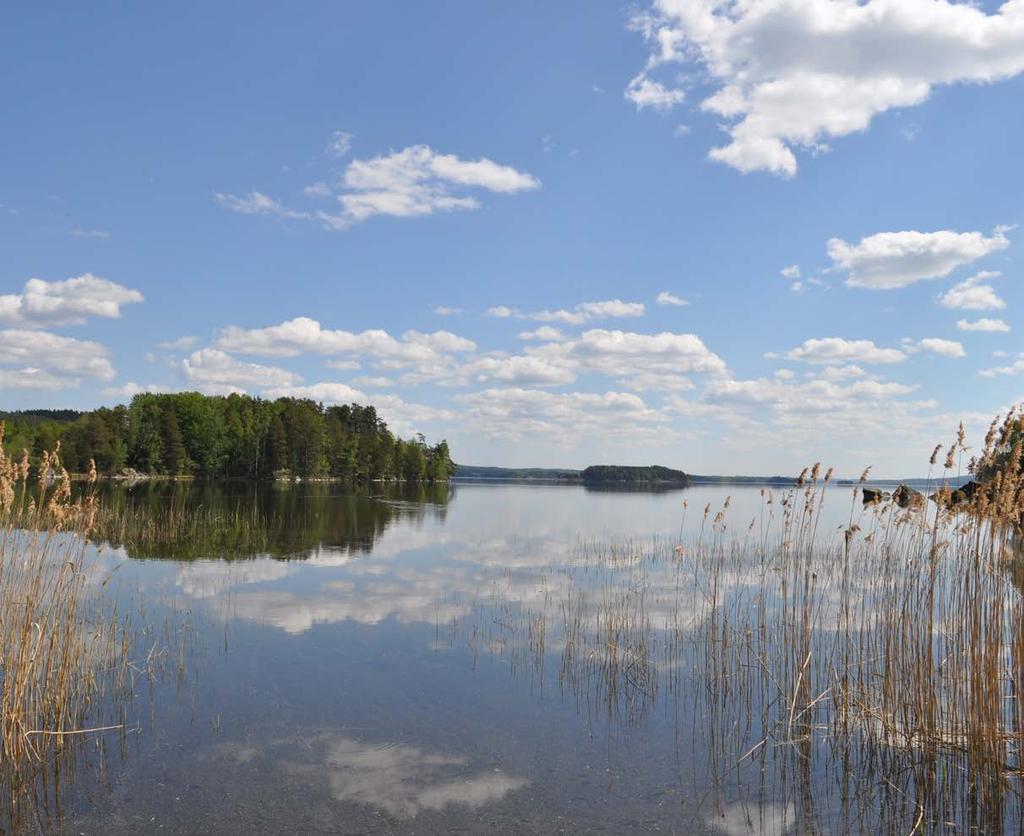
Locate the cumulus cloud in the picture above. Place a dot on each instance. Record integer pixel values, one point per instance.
(517, 413)
(545, 333)
(521, 369)
(1013, 369)
(944, 348)
(327, 392)
(415, 181)
(793, 75)
(986, 325)
(644, 91)
(816, 395)
(303, 335)
(670, 299)
(217, 372)
(419, 181)
(447, 310)
(64, 356)
(583, 312)
(889, 260)
(34, 378)
(973, 295)
(67, 302)
(637, 361)
(180, 344)
(839, 350)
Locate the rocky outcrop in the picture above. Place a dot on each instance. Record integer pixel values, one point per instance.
(872, 496)
(906, 497)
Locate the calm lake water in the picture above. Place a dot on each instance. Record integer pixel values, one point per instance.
(473, 659)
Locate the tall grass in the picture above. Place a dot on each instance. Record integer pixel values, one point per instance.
(865, 677)
(63, 648)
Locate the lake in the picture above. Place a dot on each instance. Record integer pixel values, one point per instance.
(483, 658)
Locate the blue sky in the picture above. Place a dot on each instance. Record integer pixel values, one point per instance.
(242, 197)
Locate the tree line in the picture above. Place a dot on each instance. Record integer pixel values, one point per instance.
(233, 436)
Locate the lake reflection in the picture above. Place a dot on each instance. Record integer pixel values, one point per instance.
(486, 657)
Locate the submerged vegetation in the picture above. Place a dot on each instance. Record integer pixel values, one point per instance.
(237, 436)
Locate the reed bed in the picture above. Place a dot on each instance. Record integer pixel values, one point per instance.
(64, 647)
(836, 678)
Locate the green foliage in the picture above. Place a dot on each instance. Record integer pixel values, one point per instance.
(606, 474)
(235, 436)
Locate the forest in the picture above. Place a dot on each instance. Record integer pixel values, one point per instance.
(233, 436)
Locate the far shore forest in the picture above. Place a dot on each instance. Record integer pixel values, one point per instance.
(233, 436)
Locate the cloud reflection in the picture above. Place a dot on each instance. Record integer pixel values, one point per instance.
(401, 781)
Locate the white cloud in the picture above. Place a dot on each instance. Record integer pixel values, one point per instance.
(670, 299)
(304, 335)
(972, 295)
(520, 369)
(419, 181)
(68, 302)
(625, 354)
(257, 203)
(373, 382)
(412, 182)
(180, 344)
(889, 260)
(944, 348)
(790, 75)
(446, 310)
(327, 392)
(791, 272)
(581, 313)
(517, 413)
(987, 325)
(657, 382)
(1016, 368)
(646, 92)
(64, 355)
(839, 350)
(340, 144)
(849, 372)
(34, 378)
(814, 395)
(216, 371)
(318, 189)
(545, 333)
(638, 361)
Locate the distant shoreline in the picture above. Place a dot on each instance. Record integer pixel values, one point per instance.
(470, 474)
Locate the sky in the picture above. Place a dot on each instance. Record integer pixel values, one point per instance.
(730, 237)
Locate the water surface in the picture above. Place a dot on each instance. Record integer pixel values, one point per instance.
(480, 658)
